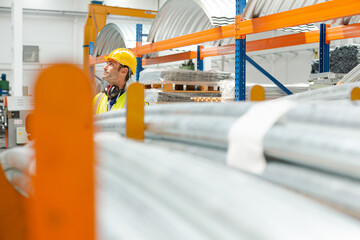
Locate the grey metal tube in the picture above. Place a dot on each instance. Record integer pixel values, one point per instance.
(327, 93)
(316, 135)
(339, 192)
(338, 152)
(221, 203)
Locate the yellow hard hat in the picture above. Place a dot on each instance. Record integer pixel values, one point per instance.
(123, 56)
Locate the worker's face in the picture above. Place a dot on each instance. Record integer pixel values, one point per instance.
(114, 74)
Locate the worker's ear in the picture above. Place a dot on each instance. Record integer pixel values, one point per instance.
(122, 71)
(125, 70)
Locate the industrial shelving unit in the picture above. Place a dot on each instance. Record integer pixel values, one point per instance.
(241, 28)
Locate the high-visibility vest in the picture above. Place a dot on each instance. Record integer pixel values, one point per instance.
(100, 103)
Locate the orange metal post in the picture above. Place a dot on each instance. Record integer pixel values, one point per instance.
(96, 20)
(90, 33)
(99, 14)
(62, 206)
(355, 94)
(257, 93)
(12, 211)
(135, 126)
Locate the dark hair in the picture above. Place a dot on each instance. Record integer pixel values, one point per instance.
(129, 72)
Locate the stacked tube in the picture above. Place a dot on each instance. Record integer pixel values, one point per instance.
(314, 142)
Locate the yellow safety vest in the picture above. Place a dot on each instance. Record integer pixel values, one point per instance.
(100, 103)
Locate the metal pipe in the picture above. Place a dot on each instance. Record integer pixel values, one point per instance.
(217, 201)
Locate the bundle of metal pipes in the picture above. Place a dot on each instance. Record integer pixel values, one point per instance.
(150, 192)
(316, 142)
(176, 185)
(203, 124)
(319, 145)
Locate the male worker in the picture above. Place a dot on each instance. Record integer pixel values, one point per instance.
(120, 65)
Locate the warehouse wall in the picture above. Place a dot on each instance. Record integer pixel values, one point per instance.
(143, 4)
(161, 2)
(287, 67)
(59, 37)
(81, 5)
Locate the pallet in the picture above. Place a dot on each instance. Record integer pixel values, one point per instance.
(206, 99)
(183, 87)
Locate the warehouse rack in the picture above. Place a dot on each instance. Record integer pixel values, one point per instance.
(314, 13)
(332, 34)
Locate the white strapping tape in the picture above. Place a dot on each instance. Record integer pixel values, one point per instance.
(246, 150)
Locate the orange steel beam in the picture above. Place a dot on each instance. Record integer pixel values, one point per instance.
(189, 39)
(343, 32)
(170, 58)
(268, 43)
(62, 204)
(310, 14)
(334, 33)
(130, 12)
(218, 51)
(149, 61)
(283, 41)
